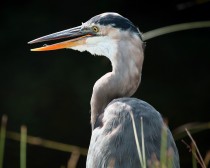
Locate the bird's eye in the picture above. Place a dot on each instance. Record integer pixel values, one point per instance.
(95, 29)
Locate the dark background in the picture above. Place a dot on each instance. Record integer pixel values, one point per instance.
(49, 92)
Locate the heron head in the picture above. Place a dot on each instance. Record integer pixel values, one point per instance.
(100, 35)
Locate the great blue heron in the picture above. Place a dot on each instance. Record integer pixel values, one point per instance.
(112, 141)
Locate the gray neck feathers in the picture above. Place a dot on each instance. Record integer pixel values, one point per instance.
(124, 79)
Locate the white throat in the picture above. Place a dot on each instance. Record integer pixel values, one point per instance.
(99, 45)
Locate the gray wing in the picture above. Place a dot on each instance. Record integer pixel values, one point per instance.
(113, 144)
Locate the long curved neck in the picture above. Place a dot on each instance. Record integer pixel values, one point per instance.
(124, 79)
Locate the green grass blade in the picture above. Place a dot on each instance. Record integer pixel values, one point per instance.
(2, 139)
(175, 28)
(32, 140)
(23, 142)
(136, 139)
(143, 146)
(180, 132)
(194, 162)
(170, 158)
(163, 149)
(199, 157)
(170, 162)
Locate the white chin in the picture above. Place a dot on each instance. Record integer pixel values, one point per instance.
(100, 45)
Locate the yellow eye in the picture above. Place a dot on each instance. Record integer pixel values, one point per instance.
(95, 29)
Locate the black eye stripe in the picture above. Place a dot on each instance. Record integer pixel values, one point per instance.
(115, 20)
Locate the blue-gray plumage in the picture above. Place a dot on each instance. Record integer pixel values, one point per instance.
(112, 143)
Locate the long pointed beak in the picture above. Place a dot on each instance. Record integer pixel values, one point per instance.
(76, 36)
